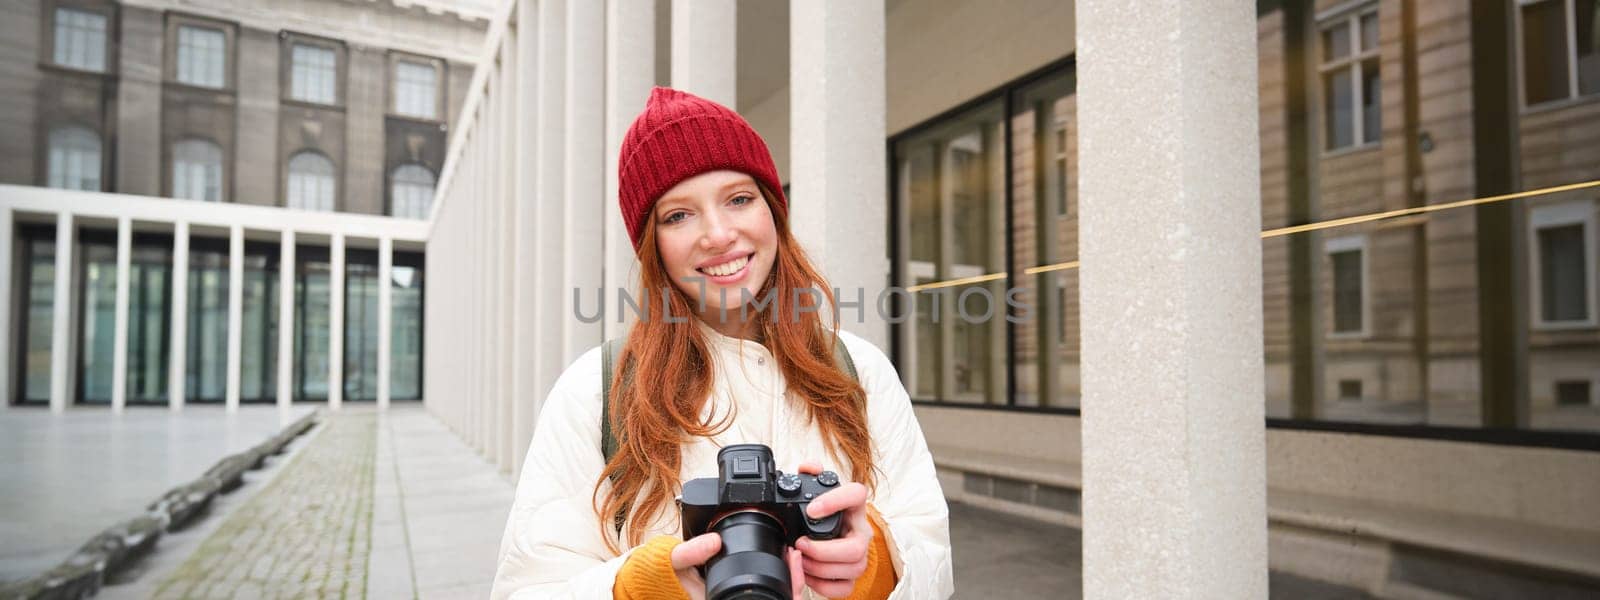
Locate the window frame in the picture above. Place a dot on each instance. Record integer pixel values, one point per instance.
(288, 173)
(108, 46)
(392, 79)
(1350, 15)
(1574, 92)
(1574, 212)
(1349, 243)
(100, 139)
(222, 168)
(175, 23)
(286, 72)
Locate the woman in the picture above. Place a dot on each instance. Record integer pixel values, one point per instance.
(729, 357)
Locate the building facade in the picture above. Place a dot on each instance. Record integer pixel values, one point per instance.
(1429, 334)
(300, 107)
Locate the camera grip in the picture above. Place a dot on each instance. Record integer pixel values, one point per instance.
(826, 528)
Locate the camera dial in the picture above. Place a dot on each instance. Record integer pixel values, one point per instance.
(789, 484)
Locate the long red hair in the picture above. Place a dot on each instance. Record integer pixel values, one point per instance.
(654, 420)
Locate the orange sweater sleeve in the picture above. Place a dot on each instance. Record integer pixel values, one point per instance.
(880, 579)
(648, 574)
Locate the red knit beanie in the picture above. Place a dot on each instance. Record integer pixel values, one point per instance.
(680, 135)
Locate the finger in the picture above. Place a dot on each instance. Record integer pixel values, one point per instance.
(810, 467)
(843, 550)
(696, 552)
(797, 574)
(849, 495)
(832, 588)
(832, 570)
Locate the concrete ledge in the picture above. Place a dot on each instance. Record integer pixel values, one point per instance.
(83, 573)
(1373, 545)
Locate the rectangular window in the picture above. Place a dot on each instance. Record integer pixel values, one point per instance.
(1350, 390)
(312, 76)
(1351, 87)
(1563, 270)
(80, 40)
(1347, 258)
(1573, 393)
(416, 90)
(1560, 49)
(202, 56)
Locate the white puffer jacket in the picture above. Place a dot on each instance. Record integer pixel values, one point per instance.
(552, 547)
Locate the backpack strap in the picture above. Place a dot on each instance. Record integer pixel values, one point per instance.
(608, 360)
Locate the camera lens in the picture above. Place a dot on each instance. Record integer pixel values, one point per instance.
(750, 565)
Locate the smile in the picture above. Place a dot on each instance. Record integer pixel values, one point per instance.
(727, 269)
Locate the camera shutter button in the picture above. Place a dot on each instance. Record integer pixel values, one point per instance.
(828, 479)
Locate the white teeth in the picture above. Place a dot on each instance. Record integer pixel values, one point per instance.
(727, 268)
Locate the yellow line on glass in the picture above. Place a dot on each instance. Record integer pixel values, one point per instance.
(1282, 231)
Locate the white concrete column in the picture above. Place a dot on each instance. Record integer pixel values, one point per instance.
(1174, 486)
(235, 316)
(7, 240)
(178, 354)
(551, 115)
(506, 249)
(119, 335)
(583, 247)
(61, 323)
(705, 47)
(525, 223)
(336, 323)
(286, 276)
(630, 74)
(385, 304)
(493, 258)
(837, 157)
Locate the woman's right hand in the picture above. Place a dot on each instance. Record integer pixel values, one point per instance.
(688, 556)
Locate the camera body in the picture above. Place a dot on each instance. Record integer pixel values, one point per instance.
(758, 511)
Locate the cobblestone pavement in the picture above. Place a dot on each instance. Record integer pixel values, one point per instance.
(306, 535)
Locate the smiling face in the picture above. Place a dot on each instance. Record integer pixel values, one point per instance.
(716, 238)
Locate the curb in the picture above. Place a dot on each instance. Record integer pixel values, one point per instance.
(83, 573)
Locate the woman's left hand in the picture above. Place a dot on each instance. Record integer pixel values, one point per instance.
(831, 567)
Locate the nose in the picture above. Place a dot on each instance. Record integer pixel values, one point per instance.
(719, 231)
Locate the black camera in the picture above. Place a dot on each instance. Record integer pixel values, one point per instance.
(758, 511)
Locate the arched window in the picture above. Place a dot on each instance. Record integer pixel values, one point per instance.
(197, 170)
(310, 182)
(74, 159)
(412, 192)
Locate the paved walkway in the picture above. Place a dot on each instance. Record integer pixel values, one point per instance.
(396, 506)
(66, 477)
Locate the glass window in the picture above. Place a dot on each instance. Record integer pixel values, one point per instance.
(1347, 298)
(1351, 87)
(1560, 49)
(207, 328)
(952, 185)
(361, 325)
(405, 337)
(197, 171)
(311, 184)
(412, 195)
(416, 89)
(1563, 274)
(80, 40)
(1044, 232)
(74, 159)
(1573, 393)
(1587, 32)
(258, 378)
(202, 56)
(313, 74)
(39, 259)
(311, 323)
(149, 317)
